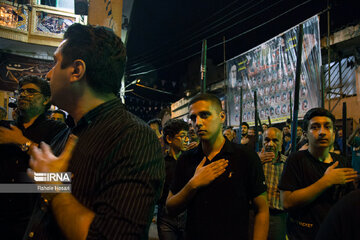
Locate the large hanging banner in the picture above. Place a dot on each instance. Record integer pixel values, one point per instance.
(270, 70)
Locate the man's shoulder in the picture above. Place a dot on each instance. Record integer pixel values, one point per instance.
(243, 151)
(190, 154)
(299, 156)
(343, 162)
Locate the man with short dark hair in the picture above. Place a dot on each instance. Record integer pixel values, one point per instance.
(230, 134)
(176, 137)
(246, 139)
(30, 128)
(215, 181)
(58, 115)
(315, 179)
(273, 164)
(117, 163)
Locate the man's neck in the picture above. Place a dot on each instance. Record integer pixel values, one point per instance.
(86, 103)
(27, 122)
(211, 148)
(158, 134)
(174, 153)
(321, 154)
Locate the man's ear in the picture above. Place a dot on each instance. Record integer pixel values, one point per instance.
(47, 100)
(78, 70)
(222, 116)
(168, 139)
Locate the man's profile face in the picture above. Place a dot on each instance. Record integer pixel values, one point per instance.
(30, 99)
(58, 117)
(272, 141)
(320, 132)
(207, 119)
(59, 78)
(229, 134)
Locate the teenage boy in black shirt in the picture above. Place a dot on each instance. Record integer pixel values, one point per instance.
(175, 134)
(215, 181)
(313, 180)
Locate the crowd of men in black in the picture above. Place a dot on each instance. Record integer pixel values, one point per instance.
(205, 184)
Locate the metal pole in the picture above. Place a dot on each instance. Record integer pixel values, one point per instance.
(297, 88)
(341, 80)
(203, 66)
(241, 110)
(290, 107)
(344, 128)
(322, 86)
(256, 124)
(226, 86)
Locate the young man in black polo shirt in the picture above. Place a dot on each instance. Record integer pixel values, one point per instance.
(315, 179)
(176, 137)
(215, 181)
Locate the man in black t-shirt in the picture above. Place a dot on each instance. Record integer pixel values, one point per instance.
(215, 181)
(175, 134)
(30, 128)
(315, 179)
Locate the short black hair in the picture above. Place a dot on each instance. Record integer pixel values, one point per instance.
(245, 124)
(173, 127)
(40, 83)
(206, 97)
(103, 53)
(156, 121)
(229, 127)
(317, 112)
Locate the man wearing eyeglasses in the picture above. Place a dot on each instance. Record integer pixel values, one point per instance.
(176, 137)
(30, 128)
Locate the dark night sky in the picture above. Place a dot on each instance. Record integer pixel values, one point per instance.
(165, 36)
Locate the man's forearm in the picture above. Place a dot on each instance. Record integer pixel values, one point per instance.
(304, 196)
(177, 203)
(73, 218)
(261, 223)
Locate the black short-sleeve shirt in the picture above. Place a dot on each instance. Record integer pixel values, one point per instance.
(221, 209)
(302, 170)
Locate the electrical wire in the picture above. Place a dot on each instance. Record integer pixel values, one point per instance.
(201, 30)
(179, 49)
(210, 36)
(220, 43)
